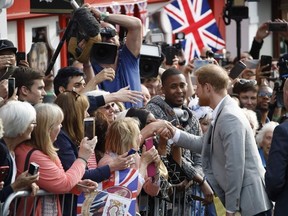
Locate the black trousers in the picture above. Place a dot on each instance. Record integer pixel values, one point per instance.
(266, 213)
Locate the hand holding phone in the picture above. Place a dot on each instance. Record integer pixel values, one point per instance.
(33, 168)
(151, 168)
(266, 60)
(4, 171)
(89, 127)
(277, 26)
(11, 86)
(20, 56)
(237, 70)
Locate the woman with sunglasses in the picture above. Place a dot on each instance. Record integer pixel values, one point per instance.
(75, 108)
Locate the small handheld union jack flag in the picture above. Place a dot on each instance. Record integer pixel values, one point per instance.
(196, 20)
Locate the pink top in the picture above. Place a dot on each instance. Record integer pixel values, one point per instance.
(53, 177)
(150, 188)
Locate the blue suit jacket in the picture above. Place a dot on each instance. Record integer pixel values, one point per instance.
(276, 176)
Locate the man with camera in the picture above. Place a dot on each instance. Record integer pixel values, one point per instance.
(126, 64)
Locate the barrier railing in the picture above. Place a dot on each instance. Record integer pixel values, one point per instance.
(149, 206)
(14, 197)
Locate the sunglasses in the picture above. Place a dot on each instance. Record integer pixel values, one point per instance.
(244, 81)
(109, 106)
(264, 94)
(76, 95)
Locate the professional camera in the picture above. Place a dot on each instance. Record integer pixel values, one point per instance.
(171, 51)
(107, 32)
(150, 60)
(104, 53)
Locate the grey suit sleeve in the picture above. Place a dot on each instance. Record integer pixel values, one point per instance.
(190, 141)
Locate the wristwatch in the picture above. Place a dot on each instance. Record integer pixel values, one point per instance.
(104, 16)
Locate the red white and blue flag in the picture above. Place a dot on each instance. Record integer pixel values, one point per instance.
(123, 184)
(195, 19)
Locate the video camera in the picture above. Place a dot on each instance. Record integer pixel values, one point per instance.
(150, 60)
(107, 32)
(169, 51)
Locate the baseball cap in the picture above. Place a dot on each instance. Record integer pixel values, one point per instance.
(7, 44)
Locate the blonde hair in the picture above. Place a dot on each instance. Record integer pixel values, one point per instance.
(122, 135)
(47, 117)
(74, 106)
(213, 74)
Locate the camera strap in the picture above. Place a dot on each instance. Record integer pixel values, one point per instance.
(28, 159)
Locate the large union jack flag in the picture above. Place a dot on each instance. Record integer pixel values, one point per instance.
(195, 19)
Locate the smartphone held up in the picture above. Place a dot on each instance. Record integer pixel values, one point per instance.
(151, 168)
(89, 127)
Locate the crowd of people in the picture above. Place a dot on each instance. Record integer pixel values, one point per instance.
(216, 140)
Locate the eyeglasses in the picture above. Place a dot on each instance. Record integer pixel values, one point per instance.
(263, 94)
(109, 106)
(34, 123)
(244, 81)
(76, 95)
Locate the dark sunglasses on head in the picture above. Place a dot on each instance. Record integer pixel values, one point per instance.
(108, 106)
(76, 95)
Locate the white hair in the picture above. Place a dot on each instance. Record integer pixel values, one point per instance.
(16, 117)
(252, 118)
(270, 126)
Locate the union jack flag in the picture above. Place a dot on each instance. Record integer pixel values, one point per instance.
(122, 183)
(195, 19)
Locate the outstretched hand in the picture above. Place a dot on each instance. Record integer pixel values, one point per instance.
(126, 95)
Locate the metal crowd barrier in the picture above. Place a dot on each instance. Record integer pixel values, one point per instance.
(14, 197)
(149, 206)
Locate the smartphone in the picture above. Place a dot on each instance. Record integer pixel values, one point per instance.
(11, 86)
(89, 127)
(236, 70)
(151, 168)
(131, 151)
(199, 63)
(20, 56)
(170, 53)
(251, 64)
(4, 171)
(266, 60)
(33, 168)
(277, 26)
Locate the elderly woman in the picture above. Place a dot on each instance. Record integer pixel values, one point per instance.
(53, 177)
(264, 139)
(18, 120)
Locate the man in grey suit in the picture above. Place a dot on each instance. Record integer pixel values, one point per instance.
(230, 158)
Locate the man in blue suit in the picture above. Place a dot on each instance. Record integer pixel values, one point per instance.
(276, 176)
